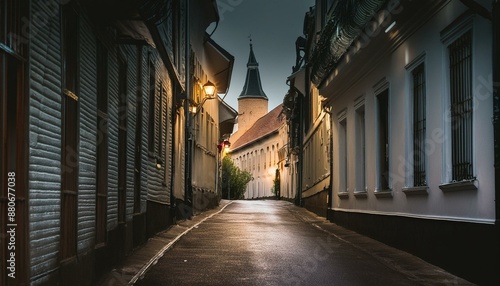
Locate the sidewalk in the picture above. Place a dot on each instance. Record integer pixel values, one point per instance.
(135, 265)
(407, 264)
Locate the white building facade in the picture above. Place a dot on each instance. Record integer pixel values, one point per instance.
(411, 94)
(256, 152)
(257, 143)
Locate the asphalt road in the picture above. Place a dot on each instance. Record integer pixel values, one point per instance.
(267, 243)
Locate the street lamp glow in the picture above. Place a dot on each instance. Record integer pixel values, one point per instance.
(272, 171)
(192, 109)
(209, 89)
(227, 145)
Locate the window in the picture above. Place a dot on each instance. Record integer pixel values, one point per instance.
(416, 149)
(273, 161)
(460, 59)
(206, 131)
(264, 159)
(254, 159)
(70, 154)
(343, 174)
(102, 143)
(419, 126)
(261, 155)
(383, 140)
(268, 156)
(360, 149)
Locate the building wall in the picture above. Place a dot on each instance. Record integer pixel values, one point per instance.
(45, 166)
(45, 140)
(205, 154)
(159, 179)
(88, 135)
(142, 174)
(286, 167)
(261, 160)
(407, 217)
(316, 168)
(472, 206)
(249, 111)
(158, 183)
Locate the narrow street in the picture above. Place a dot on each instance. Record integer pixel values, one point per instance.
(276, 243)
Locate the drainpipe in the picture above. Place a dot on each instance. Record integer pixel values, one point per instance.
(330, 190)
(172, 155)
(496, 104)
(300, 99)
(496, 116)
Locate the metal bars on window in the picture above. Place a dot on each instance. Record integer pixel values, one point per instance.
(383, 138)
(460, 56)
(419, 119)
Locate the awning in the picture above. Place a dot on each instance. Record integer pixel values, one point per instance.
(227, 119)
(298, 79)
(219, 65)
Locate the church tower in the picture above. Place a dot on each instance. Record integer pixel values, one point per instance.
(252, 102)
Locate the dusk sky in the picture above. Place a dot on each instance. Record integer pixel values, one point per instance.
(274, 25)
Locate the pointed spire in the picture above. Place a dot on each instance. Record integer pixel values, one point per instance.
(252, 61)
(253, 85)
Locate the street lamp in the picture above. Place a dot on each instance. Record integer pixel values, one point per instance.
(209, 89)
(224, 145)
(227, 144)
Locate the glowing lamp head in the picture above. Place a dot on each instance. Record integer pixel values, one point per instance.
(209, 89)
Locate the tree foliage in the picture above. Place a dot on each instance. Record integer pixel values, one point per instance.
(234, 180)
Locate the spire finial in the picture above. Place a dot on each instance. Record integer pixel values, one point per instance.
(250, 38)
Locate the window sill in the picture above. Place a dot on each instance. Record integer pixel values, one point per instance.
(383, 193)
(343, 195)
(470, 185)
(420, 190)
(361, 195)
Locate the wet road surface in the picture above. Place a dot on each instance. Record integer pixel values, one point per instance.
(267, 243)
